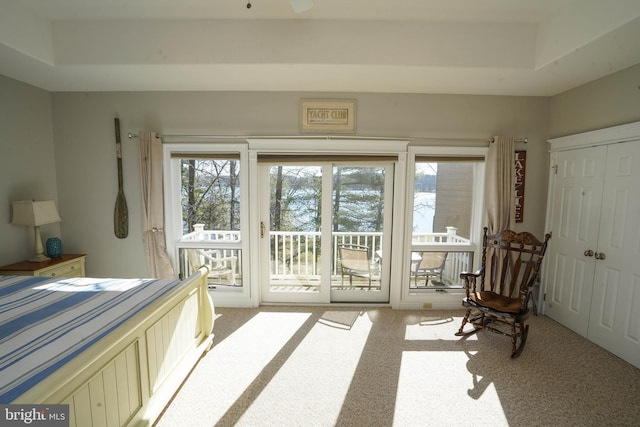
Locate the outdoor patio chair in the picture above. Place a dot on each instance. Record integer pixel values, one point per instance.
(431, 264)
(220, 267)
(355, 260)
(497, 295)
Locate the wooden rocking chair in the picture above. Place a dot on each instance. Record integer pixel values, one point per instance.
(499, 300)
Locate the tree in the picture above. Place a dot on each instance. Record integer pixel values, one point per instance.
(210, 194)
(358, 199)
(295, 198)
(277, 208)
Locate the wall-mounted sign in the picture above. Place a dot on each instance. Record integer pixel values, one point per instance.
(521, 167)
(328, 116)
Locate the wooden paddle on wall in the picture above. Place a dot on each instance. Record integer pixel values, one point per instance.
(120, 213)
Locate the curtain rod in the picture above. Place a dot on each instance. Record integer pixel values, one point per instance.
(325, 137)
(525, 140)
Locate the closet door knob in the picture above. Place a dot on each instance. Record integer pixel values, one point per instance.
(588, 252)
(600, 255)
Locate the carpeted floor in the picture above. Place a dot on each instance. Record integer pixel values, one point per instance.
(321, 366)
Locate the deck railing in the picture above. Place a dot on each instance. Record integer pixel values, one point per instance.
(297, 254)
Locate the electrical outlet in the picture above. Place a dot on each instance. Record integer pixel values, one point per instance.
(426, 305)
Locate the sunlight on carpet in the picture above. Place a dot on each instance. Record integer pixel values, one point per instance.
(435, 328)
(311, 386)
(230, 367)
(429, 390)
(340, 319)
(313, 367)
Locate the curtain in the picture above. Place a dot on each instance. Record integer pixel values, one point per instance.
(500, 184)
(153, 206)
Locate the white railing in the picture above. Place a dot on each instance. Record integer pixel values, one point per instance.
(450, 236)
(297, 254)
(199, 233)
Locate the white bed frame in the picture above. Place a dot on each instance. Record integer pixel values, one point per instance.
(129, 376)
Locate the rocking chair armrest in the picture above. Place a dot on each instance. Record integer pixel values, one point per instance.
(470, 280)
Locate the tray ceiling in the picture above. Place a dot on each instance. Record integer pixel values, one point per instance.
(482, 47)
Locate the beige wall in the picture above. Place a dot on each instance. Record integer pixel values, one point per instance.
(62, 146)
(609, 101)
(27, 167)
(76, 129)
(86, 163)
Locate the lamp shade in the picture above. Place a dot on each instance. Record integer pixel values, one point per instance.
(35, 213)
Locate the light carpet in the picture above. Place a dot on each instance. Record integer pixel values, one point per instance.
(320, 366)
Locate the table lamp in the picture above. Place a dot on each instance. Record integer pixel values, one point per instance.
(35, 213)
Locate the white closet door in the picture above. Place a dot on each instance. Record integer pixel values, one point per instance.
(615, 308)
(576, 218)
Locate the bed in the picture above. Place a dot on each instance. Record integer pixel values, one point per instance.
(114, 350)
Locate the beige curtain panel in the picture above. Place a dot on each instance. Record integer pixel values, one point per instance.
(153, 206)
(500, 184)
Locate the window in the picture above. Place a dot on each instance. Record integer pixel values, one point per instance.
(443, 196)
(206, 203)
(445, 210)
(210, 193)
(435, 201)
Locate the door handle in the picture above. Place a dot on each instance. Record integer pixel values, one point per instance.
(261, 230)
(588, 252)
(599, 255)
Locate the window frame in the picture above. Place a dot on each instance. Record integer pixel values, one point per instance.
(173, 210)
(400, 296)
(432, 299)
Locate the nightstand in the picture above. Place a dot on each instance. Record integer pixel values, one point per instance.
(68, 265)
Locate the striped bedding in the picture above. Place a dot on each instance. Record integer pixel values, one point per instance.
(45, 322)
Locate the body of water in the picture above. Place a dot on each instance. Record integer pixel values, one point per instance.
(424, 209)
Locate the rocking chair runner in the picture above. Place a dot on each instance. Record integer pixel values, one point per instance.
(499, 301)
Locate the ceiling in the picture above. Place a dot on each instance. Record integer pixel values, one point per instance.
(483, 47)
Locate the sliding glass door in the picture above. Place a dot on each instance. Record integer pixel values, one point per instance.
(324, 229)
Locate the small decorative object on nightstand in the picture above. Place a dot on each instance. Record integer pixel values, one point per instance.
(67, 265)
(54, 247)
